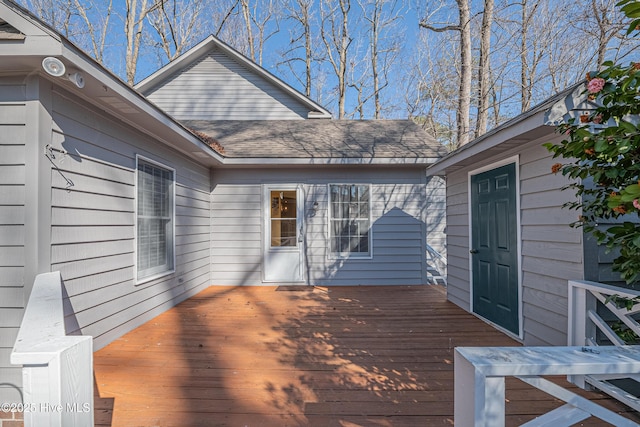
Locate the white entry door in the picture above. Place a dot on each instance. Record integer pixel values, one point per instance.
(283, 245)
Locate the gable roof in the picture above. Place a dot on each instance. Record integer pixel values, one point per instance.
(213, 45)
(323, 141)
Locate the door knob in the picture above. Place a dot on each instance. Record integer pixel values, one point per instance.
(473, 251)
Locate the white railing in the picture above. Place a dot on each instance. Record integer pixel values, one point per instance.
(479, 389)
(436, 267)
(57, 370)
(585, 323)
(480, 371)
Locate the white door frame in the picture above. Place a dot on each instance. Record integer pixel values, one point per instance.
(283, 254)
(513, 159)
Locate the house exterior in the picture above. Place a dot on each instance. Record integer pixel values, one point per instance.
(140, 208)
(510, 248)
(328, 183)
(212, 81)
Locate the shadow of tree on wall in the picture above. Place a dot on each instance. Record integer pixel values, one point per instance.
(398, 246)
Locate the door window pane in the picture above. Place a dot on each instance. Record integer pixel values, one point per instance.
(283, 218)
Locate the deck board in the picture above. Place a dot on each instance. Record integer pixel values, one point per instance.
(267, 356)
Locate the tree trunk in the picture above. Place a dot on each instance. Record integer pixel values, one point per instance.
(375, 24)
(337, 42)
(525, 90)
(464, 97)
(483, 69)
(134, 27)
(246, 13)
(344, 46)
(307, 48)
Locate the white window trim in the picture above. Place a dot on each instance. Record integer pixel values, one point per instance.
(337, 256)
(145, 279)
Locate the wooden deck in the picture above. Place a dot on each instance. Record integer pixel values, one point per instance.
(267, 356)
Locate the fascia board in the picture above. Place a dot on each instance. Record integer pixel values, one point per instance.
(326, 161)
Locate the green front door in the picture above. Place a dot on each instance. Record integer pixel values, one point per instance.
(494, 246)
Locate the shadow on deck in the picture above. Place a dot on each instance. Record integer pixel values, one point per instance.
(288, 356)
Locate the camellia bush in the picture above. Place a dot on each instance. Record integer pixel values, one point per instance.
(601, 153)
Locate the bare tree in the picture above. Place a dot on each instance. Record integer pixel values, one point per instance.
(483, 68)
(134, 19)
(334, 31)
(176, 25)
(374, 22)
(527, 71)
(223, 20)
(381, 17)
(359, 78)
(430, 86)
(97, 25)
(57, 13)
(262, 17)
(299, 11)
(246, 13)
(86, 22)
(464, 94)
(603, 24)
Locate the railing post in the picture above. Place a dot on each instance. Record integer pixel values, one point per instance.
(580, 330)
(57, 370)
(480, 373)
(576, 330)
(478, 399)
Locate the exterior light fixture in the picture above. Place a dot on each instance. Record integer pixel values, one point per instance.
(54, 67)
(76, 78)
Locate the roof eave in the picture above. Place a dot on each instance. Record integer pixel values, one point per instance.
(319, 161)
(113, 85)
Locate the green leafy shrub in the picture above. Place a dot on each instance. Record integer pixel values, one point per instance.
(602, 153)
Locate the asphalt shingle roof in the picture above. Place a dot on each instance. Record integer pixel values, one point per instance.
(360, 139)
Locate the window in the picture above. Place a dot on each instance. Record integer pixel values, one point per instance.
(155, 219)
(283, 218)
(350, 220)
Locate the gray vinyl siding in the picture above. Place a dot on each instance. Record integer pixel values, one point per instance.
(396, 235)
(93, 223)
(218, 88)
(236, 232)
(399, 210)
(13, 121)
(551, 251)
(435, 219)
(458, 274)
